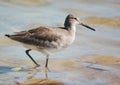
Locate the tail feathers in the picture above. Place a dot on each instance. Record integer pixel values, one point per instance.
(7, 35)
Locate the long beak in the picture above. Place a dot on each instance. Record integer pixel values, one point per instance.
(87, 26)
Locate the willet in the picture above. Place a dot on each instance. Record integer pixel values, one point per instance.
(49, 39)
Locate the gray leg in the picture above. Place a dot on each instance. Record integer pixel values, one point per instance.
(27, 52)
(46, 64)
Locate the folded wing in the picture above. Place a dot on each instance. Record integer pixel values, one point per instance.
(41, 36)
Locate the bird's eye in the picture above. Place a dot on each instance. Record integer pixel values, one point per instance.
(75, 18)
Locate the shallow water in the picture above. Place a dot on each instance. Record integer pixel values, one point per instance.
(76, 65)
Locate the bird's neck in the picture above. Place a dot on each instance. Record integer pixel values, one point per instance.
(71, 27)
(72, 31)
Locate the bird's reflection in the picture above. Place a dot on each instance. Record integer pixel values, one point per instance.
(42, 81)
(46, 74)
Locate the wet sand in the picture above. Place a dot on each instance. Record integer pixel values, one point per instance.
(103, 21)
(40, 82)
(92, 68)
(27, 2)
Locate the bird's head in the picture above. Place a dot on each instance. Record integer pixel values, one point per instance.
(72, 20)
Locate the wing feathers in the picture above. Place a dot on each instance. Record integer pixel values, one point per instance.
(39, 36)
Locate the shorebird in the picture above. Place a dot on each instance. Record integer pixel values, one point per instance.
(48, 40)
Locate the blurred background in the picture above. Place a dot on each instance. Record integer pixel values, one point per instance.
(94, 57)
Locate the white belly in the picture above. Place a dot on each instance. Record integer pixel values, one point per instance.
(46, 51)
